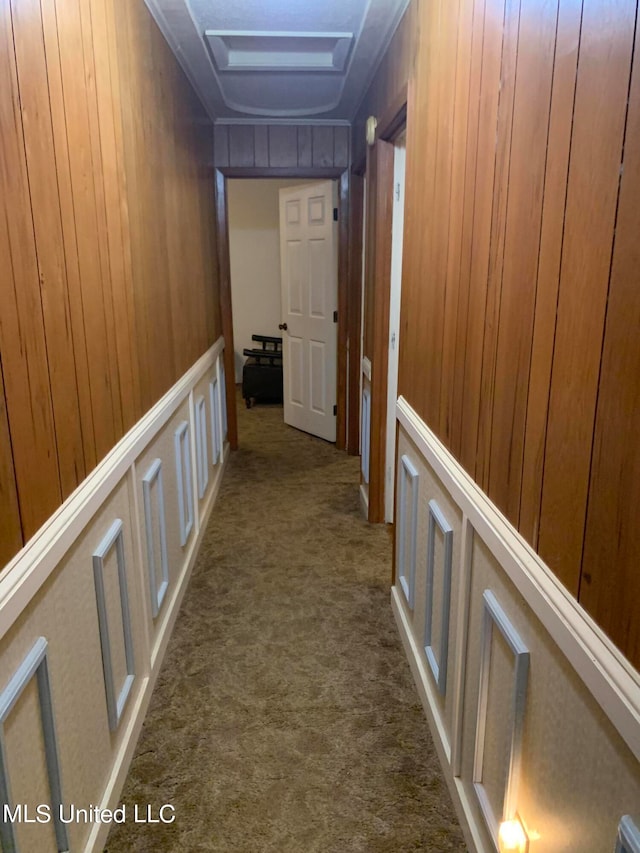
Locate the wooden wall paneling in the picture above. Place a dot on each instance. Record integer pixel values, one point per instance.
(343, 311)
(418, 208)
(304, 146)
(283, 146)
(159, 123)
(202, 254)
(79, 139)
(548, 277)
(174, 181)
(107, 94)
(221, 145)
(63, 175)
(461, 110)
(356, 209)
(128, 281)
(466, 246)
(10, 528)
(261, 156)
(322, 145)
(153, 126)
(208, 195)
(341, 146)
(47, 226)
(498, 235)
(22, 336)
(529, 136)
(612, 532)
(224, 279)
(444, 288)
(208, 306)
(132, 140)
(101, 213)
(492, 25)
(409, 355)
(191, 257)
(383, 190)
(598, 128)
(424, 272)
(241, 145)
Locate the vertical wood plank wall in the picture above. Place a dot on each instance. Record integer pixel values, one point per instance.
(281, 146)
(520, 328)
(107, 245)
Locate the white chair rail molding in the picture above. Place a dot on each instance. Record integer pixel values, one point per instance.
(535, 713)
(86, 611)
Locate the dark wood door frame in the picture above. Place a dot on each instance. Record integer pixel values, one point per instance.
(224, 272)
(380, 170)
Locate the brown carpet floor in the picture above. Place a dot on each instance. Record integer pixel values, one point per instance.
(285, 718)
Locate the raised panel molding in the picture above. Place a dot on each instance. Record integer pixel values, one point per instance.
(154, 475)
(223, 397)
(216, 422)
(494, 615)
(28, 571)
(182, 446)
(609, 678)
(628, 836)
(114, 538)
(407, 574)
(35, 663)
(438, 664)
(366, 434)
(202, 451)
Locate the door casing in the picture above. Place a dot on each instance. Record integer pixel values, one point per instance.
(224, 273)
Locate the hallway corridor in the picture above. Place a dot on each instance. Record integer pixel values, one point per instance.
(285, 717)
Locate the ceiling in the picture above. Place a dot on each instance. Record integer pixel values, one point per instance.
(278, 60)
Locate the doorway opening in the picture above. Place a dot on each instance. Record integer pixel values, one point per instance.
(283, 264)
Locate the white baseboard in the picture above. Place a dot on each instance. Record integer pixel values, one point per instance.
(425, 692)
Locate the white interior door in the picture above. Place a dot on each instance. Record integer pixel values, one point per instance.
(308, 259)
(397, 229)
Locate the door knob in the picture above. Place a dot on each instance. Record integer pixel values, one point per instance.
(282, 326)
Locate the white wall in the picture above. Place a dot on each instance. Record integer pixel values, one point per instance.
(254, 249)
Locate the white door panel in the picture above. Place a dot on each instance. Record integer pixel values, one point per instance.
(308, 251)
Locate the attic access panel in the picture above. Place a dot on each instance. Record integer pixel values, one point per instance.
(244, 50)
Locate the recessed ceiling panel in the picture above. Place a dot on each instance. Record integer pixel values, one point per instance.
(280, 59)
(278, 51)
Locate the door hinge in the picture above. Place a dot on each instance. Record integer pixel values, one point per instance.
(335, 214)
(335, 410)
(335, 316)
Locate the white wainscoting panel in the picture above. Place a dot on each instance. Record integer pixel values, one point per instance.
(107, 629)
(365, 434)
(216, 420)
(35, 663)
(157, 560)
(438, 658)
(494, 616)
(559, 749)
(202, 447)
(407, 528)
(116, 697)
(222, 382)
(628, 836)
(183, 473)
